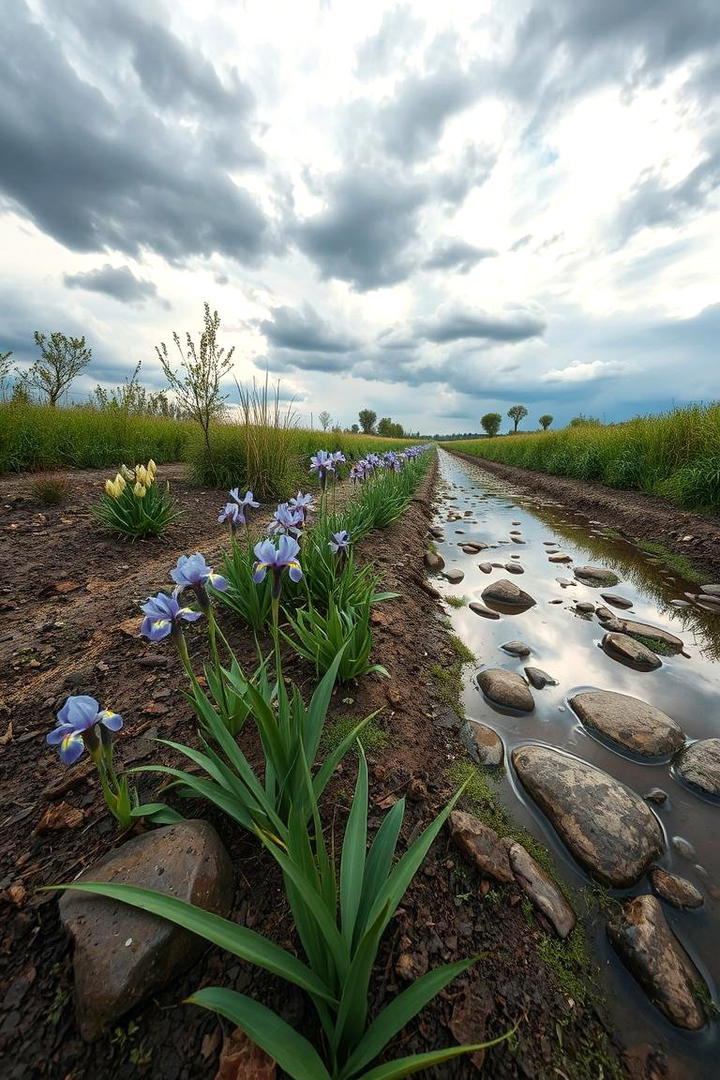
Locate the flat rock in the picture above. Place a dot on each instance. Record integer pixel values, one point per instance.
(122, 954)
(507, 596)
(641, 936)
(607, 827)
(482, 743)
(559, 557)
(486, 567)
(628, 651)
(650, 633)
(454, 576)
(506, 688)
(596, 575)
(481, 845)
(616, 601)
(480, 609)
(677, 890)
(699, 766)
(710, 590)
(514, 568)
(630, 722)
(539, 678)
(537, 884)
(585, 607)
(516, 648)
(433, 561)
(471, 549)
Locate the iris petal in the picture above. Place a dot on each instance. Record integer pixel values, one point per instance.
(71, 748)
(111, 720)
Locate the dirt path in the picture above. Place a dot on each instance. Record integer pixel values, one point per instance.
(633, 513)
(91, 646)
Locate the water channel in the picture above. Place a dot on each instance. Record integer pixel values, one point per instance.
(566, 644)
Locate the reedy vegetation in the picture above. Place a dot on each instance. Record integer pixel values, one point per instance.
(675, 454)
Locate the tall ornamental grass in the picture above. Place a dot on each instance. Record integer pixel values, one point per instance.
(676, 454)
(269, 459)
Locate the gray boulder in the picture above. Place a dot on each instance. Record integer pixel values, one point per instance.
(630, 722)
(607, 827)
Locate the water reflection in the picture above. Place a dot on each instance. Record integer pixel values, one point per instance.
(566, 644)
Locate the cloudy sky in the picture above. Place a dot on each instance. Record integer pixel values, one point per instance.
(431, 209)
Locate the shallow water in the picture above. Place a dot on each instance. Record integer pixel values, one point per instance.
(566, 645)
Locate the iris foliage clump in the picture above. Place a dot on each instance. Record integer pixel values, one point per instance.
(341, 903)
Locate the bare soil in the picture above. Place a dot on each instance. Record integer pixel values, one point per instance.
(69, 598)
(637, 515)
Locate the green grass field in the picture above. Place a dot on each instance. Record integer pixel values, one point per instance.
(269, 459)
(676, 454)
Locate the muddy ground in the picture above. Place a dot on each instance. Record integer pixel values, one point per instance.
(70, 623)
(632, 513)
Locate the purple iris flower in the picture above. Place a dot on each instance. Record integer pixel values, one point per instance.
(340, 542)
(192, 572)
(79, 715)
(163, 614)
(248, 498)
(286, 519)
(277, 559)
(303, 503)
(322, 463)
(338, 457)
(356, 472)
(232, 513)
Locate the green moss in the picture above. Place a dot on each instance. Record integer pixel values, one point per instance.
(570, 963)
(662, 648)
(455, 601)
(373, 737)
(448, 679)
(679, 563)
(464, 655)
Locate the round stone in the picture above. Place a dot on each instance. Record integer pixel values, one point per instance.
(629, 722)
(507, 596)
(628, 651)
(678, 891)
(480, 609)
(606, 826)
(699, 766)
(482, 743)
(506, 688)
(596, 575)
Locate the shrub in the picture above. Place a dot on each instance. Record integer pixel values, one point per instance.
(50, 489)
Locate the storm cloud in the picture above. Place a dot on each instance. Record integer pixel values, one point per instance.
(119, 282)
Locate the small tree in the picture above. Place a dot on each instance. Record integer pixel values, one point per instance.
(516, 414)
(367, 420)
(61, 359)
(384, 426)
(324, 419)
(490, 423)
(196, 383)
(546, 420)
(355, 429)
(584, 421)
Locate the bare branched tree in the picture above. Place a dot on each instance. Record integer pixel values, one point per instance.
(61, 359)
(324, 418)
(196, 383)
